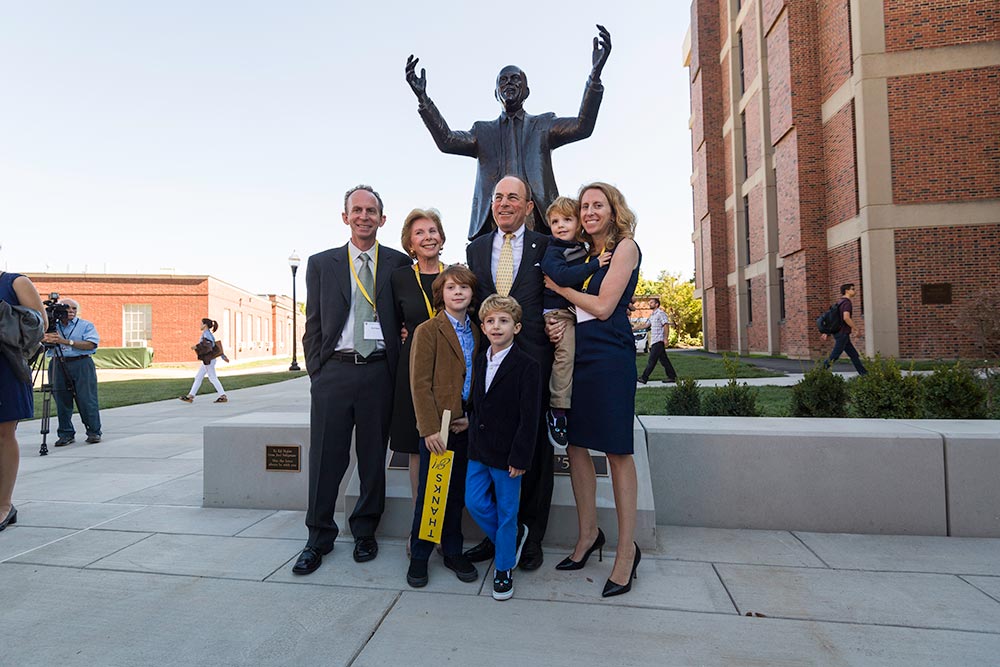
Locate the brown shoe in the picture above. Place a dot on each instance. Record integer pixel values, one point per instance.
(222, 399)
(187, 399)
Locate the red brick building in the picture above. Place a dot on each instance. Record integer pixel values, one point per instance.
(164, 312)
(840, 141)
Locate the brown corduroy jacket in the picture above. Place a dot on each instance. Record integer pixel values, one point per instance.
(437, 372)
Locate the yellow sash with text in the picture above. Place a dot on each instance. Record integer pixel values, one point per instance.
(436, 489)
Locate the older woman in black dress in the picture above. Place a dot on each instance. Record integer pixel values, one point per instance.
(604, 380)
(422, 238)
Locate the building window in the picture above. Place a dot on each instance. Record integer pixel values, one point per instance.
(749, 304)
(781, 294)
(743, 129)
(226, 340)
(137, 324)
(746, 226)
(250, 337)
(239, 330)
(267, 331)
(739, 55)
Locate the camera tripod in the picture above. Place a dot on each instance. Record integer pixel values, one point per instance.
(44, 369)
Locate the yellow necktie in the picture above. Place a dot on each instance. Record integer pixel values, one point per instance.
(505, 267)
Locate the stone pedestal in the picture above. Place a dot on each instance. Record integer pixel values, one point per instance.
(562, 528)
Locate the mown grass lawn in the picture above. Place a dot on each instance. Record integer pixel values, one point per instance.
(702, 368)
(131, 392)
(771, 401)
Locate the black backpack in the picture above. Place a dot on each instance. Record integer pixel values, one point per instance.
(831, 320)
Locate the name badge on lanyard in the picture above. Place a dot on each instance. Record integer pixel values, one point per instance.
(373, 331)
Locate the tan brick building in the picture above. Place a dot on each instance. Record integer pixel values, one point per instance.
(164, 312)
(840, 141)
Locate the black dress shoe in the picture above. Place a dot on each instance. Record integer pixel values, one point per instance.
(10, 519)
(68, 440)
(482, 551)
(365, 549)
(531, 556)
(416, 575)
(462, 567)
(309, 561)
(93, 439)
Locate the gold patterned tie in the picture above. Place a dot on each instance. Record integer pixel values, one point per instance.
(505, 266)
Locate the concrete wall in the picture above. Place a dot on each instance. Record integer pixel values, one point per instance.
(923, 477)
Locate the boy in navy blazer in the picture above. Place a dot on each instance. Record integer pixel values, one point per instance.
(506, 402)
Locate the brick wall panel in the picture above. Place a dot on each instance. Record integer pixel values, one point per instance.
(779, 79)
(943, 135)
(834, 45)
(845, 267)
(841, 167)
(923, 24)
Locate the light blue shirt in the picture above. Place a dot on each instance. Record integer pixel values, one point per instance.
(468, 343)
(77, 330)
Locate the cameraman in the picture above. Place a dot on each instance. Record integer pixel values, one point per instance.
(77, 339)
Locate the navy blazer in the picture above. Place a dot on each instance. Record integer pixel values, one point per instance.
(328, 303)
(527, 289)
(503, 423)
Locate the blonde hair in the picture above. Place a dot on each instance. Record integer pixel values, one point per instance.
(419, 214)
(504, 304)
(566, 206)
(622, 217)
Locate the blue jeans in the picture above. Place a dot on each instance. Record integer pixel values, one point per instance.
(842, 343)
(496, 511)
(83, 373)
(451, 528)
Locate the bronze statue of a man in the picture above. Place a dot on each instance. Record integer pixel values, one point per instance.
(516, 143)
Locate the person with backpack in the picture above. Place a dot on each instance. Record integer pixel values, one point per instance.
(842, 336)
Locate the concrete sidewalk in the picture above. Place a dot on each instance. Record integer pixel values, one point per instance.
(113, 561)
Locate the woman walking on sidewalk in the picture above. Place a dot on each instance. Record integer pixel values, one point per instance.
(209, 350)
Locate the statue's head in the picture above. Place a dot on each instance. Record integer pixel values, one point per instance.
(512, 88)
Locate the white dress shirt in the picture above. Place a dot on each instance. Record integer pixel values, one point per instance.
(493, 363)
(516, 244)
(346, 341)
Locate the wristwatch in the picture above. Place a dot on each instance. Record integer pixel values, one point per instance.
(71, 343)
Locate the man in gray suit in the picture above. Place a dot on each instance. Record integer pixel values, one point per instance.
(517, 143)
(351, 345)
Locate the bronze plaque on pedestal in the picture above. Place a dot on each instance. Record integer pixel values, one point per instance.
(283, 458)
(561, 464)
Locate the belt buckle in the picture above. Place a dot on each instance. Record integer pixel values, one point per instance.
(359, 360)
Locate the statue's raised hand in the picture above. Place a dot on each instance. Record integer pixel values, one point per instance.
(602, 49)
(417, 84)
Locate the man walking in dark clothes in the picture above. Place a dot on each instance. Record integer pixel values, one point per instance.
(842, 339)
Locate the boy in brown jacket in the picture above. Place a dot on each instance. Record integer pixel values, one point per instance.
(441, 379)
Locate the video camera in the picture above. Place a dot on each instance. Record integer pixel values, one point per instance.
(58, 313)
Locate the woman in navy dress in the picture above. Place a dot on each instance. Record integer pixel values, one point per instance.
(604, 380)
(16, 400)
(422, 239)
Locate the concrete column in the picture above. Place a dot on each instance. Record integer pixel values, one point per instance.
(878, 290)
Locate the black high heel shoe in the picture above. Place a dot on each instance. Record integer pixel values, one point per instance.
(611, 588)
(10, 519)
(570, 564)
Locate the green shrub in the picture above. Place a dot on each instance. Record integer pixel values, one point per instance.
(685, 398)
(953, 392)
(883, 393)
(992, 386)
(733, 399)
(820, 393)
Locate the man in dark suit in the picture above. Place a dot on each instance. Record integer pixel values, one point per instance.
(351, 345)
(516, 143)
(507, 262)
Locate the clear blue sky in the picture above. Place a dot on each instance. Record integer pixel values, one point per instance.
(216, 137)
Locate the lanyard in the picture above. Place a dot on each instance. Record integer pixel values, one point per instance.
(361, 288)
(427, 302)
(587, 281)
(63, 331)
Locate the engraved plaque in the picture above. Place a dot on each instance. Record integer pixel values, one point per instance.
(936, 293)
(560, 464)
(283, 458)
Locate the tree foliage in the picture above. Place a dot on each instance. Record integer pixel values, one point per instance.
(677, 299)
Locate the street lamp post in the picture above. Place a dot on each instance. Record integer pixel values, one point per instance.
(293, 261)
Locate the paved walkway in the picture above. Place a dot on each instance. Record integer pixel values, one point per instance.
(114, 562)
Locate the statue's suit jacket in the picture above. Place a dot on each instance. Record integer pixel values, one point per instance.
(540, 135)
(328, 303)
